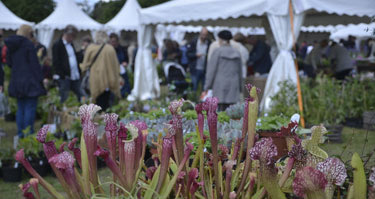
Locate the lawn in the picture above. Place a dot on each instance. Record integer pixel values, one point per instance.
(354, 140)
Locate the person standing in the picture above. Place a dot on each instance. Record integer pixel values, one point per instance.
(26, 83)
(241, 39)
(65, 63)
(123, 59)
(341, 60)
(104, 70)
(224, 72)
(260, 58)
(1, 63)
(197, 54)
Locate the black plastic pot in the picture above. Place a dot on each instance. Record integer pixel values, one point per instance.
(11, 174)
(369, 120)
(100, 163)
(334, 133)
(354, 122)
(10, 117)
(40, 168)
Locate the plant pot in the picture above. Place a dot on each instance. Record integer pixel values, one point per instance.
(369, 120)
(100, 163)
(334, 133)
(11, 174)
(354, 122)
(11, 117)
(40, 166)
(280, 142)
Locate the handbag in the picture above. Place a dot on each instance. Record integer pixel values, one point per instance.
(85, 86)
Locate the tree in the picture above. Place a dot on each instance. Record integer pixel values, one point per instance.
(30, 10)
(105, 11)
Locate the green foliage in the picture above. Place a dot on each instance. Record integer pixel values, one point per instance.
(235, 111)
(34, 11)
(7, 154)
(121, 108)
(33, 148)
(194, 139)
(268, 123)
(190, 115)
(222, 117)
(359, 185)
(285, 101)
(105, 11)
(326, 100)
(148, 3)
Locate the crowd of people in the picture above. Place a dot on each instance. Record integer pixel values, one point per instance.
(99, 69)
(221, 65)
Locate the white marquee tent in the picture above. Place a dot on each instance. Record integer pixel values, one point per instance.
(126, 19)
(66, 12)
(361, 31)
(248, 14)
(10, 21)
(329, 28)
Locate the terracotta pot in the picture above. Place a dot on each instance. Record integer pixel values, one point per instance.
(280, 142)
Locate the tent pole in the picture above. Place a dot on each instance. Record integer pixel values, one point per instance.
(299, 93)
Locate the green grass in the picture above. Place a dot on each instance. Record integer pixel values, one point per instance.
(353, 141)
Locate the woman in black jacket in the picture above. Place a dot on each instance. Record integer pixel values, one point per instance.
(26, 82)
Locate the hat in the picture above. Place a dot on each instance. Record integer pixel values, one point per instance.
(225, 35)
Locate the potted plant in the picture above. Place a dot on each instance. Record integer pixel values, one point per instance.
(11, 169)
(34, 153)
(235, 111)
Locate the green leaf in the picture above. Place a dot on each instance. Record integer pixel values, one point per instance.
(85, 168)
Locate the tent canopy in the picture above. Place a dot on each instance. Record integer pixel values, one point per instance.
(67, 12)
(10, 21)
(360, 31)
(236, 12)
(320, 28)
(126, 19)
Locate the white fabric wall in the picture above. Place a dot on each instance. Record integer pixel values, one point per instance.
(45, 36)
(160, 34)
(283, 68)
(146, 81)
(177, 35)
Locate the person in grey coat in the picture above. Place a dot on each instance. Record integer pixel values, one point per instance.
(224, 72)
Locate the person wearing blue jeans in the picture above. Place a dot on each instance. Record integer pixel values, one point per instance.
(25, 116)
(66, 85)
(198, 77)
(26, 82)
(197, 52)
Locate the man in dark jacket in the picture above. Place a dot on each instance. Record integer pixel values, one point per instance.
(197, 52)
(26, 82)
(65, 64)
(123, 59)
(260, 58)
